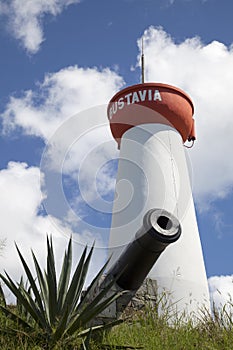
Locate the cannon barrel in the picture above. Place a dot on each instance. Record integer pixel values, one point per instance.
(159, 229)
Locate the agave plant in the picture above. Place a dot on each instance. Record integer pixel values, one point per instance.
(2, 297)
(55, 305)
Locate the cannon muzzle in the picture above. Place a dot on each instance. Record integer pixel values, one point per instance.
(159, 229)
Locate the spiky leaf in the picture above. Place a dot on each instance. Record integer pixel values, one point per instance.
(54, 306)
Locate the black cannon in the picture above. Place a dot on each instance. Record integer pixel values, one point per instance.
(159, 229)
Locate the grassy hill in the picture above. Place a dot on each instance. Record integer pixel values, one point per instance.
(151, 332)
(144, 330)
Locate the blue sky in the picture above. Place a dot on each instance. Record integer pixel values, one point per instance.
(63, 58)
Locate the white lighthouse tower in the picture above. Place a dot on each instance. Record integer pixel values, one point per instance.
(150, 123)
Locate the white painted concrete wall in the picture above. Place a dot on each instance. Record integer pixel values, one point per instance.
(153, 173)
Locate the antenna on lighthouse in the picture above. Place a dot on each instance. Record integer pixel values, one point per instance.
(142, 64)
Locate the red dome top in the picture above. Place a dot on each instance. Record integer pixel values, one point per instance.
(151, 103)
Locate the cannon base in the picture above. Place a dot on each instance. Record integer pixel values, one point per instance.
(128, 303)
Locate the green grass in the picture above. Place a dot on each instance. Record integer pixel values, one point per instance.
(21, 340)
(153, 333)
(145, 330)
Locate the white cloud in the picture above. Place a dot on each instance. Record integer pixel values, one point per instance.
(81, 148)
(221, 293)
(73, 144)
(69, 112)
(205, 71)
(60, 96)
(25, 20)
(20, 222)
